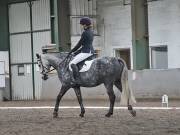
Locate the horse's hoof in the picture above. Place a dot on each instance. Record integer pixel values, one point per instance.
(81, 115)
(108, 115)
(133, 112)
(55, 115)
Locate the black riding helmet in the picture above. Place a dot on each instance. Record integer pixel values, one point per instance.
(85, 21)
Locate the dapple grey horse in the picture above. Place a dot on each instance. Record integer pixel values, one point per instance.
(106, 70)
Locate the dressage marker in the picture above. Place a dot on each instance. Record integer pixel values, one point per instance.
(165, 100)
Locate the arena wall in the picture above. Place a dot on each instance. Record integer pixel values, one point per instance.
(144, 83)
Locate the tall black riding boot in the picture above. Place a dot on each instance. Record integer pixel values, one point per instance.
(76, 74)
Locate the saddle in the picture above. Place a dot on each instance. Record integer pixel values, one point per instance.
(85, 65)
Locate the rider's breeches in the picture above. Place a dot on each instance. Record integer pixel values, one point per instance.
(78, 58)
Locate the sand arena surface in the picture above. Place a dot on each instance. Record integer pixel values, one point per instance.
(40, 121)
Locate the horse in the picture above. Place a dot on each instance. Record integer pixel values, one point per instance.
(104, 70)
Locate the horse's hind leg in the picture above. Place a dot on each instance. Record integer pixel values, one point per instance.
(110, 92)
(79, 97)
(63, 90)
(118, 85)
(130, 108)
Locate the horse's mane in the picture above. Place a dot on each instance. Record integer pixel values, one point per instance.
(60, 55)
(55, 57)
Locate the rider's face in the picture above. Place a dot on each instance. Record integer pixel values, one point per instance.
(83, 27)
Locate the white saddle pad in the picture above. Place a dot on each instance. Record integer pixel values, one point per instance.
(86, 66)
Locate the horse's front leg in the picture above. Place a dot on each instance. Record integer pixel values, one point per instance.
(79, 97)
(63, 90)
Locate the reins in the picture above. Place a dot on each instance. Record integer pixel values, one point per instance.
(43, 67)
(66, 61)
(45, 70)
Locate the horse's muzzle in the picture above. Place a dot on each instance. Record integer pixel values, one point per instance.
(45, 77)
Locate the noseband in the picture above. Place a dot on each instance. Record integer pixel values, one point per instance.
(45, 70)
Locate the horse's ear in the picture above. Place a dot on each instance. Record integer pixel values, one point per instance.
(37, 55)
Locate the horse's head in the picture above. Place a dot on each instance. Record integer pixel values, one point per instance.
(44, 66)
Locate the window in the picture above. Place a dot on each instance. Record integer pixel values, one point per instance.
(125, 55)
(21, 70)
(159, 57)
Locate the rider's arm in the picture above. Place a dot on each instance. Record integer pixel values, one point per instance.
(79, 43)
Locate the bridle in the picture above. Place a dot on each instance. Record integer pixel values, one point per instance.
(45, 70)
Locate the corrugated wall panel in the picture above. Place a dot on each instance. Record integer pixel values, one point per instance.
(41, 14)
(72, 11)
(72, 6)
(82, 7)
(78, 27)
(73, 28)
(94, 7)
(40, 39)
(4, 56)
(20, 51)
(22, 85)
(78, 9)
(94, 12)
(85, 7)
(77, 2)
(19, 20)
(90, 6)
(38, 82)
(41, 21)
(78, 12)
(20, 46)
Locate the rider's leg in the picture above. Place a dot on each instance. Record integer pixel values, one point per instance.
(78, 58)
(75, 70)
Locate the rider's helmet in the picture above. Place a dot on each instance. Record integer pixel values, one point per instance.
(85, 21)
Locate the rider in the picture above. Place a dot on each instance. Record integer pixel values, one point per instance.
(84, 46)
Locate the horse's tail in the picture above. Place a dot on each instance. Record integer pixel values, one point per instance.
(127, 96)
